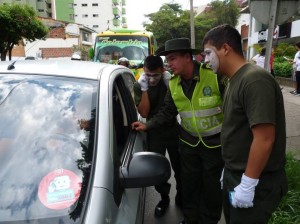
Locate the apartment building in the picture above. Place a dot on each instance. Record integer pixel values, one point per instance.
(98, 15)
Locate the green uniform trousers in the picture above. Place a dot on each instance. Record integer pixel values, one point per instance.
(271, 188)
(201, 170)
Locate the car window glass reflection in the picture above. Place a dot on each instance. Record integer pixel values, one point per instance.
(40, 125)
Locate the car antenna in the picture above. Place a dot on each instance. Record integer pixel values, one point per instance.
(11, 66)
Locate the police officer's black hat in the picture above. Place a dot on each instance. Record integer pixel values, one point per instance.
(178, 44)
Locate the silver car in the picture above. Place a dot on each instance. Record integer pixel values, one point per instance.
(67, 150)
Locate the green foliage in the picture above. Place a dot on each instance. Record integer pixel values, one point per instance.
(288, 211)
(285, 49)
(166, 23)
(85, 52)
(173, 22)
(282, 67)
(224, 12)
(18, 21)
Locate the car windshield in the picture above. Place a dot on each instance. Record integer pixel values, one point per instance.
(46, 146)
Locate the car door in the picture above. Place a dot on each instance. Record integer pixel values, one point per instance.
(110, 201)
(127, 142)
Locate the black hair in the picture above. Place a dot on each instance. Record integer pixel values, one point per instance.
(224, 34)
(263, 51)
(153, 62)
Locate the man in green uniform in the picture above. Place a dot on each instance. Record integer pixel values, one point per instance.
(195, 94)
(149, 94)
(253, 133)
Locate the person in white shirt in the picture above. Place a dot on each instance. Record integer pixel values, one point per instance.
(259, 59)
(296, 66)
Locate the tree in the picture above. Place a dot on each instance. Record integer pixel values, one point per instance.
(17, 22)
(173, 22)
(224, 12)
(166, 23)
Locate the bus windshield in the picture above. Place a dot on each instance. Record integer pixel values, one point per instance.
(109, 49)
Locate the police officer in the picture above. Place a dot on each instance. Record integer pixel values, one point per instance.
(195, 93)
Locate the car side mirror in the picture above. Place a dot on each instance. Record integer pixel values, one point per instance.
(145, 169)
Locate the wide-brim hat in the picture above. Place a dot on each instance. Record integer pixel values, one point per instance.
(178, 44)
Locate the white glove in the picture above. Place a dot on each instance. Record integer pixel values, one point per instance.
(243, 194)
(166, 77)
(221, 179)
(143, 81)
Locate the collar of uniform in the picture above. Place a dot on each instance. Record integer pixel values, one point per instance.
(196, 75)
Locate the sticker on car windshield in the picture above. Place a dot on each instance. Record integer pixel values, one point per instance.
(59, 189)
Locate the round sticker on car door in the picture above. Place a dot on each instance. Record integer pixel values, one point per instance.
(59, 189)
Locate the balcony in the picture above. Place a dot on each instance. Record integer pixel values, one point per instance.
(116, 11)
(116, 22)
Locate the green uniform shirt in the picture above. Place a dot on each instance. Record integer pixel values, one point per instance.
(252, 97)
(156, 97)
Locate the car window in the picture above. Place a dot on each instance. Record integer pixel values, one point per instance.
(124, 112)
(45, 148)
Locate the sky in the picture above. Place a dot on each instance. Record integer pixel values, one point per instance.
(136, 9)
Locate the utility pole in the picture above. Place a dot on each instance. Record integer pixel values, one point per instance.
(272, 19)
(192, 24)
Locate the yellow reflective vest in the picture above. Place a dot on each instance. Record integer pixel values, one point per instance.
(201, 116)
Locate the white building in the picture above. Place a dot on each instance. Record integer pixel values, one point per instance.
(100, 15)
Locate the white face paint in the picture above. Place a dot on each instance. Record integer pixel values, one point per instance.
(153, 80)
(212, 59)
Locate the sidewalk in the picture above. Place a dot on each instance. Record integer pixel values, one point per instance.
(292, 114)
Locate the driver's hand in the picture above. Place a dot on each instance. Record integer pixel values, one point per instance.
(138, 126)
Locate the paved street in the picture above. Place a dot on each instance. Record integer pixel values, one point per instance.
(174, 215)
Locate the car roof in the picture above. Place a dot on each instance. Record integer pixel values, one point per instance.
(71, 68)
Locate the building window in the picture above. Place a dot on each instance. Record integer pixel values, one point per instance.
(71, 16)
(39, 0)
(84, 5)
(95, 15)
(95, 4)
(75, 4)
(85, 36)
(71, 5)
(95, 26)
(84, 15)
(41, 10)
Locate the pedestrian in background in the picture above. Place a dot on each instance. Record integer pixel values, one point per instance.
(123, 61)
(149, 94)
(195, 93)
(253, 134)
(296, 66)
(259, 59)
